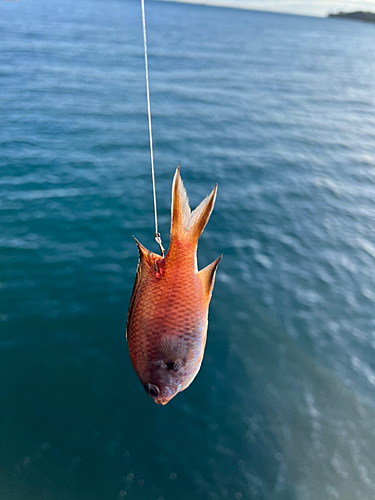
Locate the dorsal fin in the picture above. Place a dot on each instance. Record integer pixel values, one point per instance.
(207, 277)
(146, 256)
(185, 223)
(146, 260)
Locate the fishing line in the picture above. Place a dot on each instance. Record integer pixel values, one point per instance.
(157, 234)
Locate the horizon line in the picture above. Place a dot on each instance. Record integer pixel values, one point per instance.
(241, 6)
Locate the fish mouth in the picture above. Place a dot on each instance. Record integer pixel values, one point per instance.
(160, 401)
(154, 392)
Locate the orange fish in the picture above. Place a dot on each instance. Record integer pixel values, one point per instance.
(168, 311)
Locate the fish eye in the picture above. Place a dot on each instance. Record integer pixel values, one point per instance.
(152, 390)
(174, 365)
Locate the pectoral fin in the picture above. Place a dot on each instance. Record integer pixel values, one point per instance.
(207, 277)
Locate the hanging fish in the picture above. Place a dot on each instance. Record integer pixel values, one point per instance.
(167, 318)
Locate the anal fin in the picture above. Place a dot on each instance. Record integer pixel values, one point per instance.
(207, 276)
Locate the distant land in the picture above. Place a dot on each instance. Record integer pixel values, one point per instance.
(294, 8)
(358, 16)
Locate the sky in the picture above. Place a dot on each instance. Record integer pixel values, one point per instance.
(305, 7)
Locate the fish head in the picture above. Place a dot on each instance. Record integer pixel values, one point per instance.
(166, 379)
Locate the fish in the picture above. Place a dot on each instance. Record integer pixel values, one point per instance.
(168, 312)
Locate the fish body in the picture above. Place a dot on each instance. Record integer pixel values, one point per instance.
(168, 311)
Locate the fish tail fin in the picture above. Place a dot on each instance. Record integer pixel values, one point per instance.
(187, 224)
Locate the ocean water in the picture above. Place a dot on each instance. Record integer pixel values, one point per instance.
(279, 110)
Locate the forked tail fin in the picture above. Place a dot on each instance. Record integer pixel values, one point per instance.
(187, 224)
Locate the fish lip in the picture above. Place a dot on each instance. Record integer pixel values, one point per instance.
(161, 401)
(154, 392)
(160, 393)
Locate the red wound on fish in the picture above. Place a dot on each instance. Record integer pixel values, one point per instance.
(159, 268)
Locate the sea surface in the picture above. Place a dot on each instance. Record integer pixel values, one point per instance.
(280, 111)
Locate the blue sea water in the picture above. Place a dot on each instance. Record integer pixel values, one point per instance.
(279, 110)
